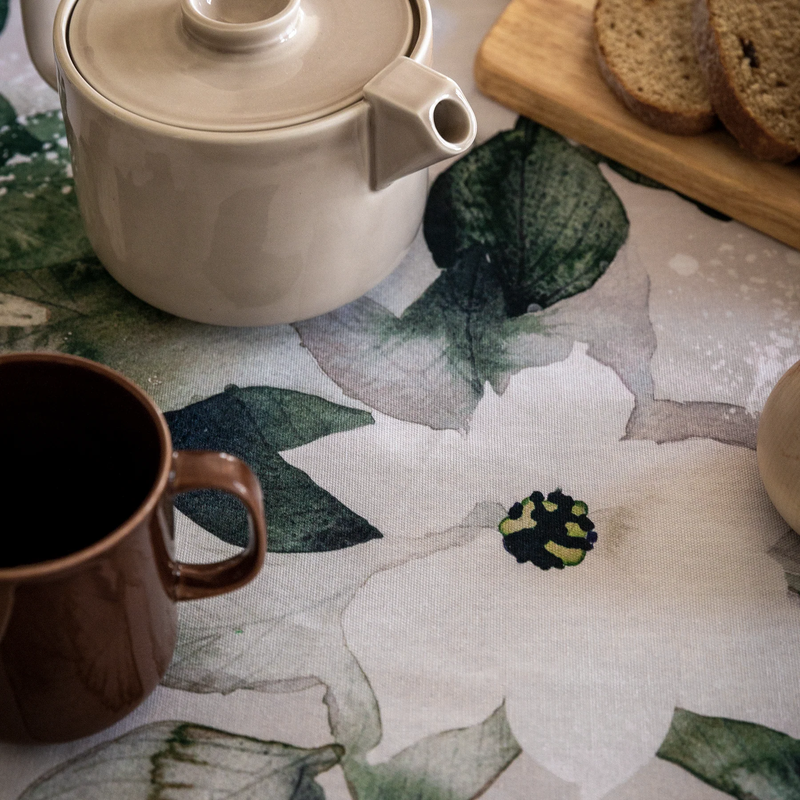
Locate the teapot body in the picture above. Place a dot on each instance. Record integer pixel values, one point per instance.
(245, 228)
(257, 227)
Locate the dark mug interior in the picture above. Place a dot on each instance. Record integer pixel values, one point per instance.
(80, 454)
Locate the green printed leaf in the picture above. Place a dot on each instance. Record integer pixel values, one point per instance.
(183, 761)
(46, 127)
(454, 765)
(8, 116)
(3, 14)
(255, 424)
(83, 308)
(541, 212)
(748, 761)
(40, 223)
(15, 140)
(521, 222)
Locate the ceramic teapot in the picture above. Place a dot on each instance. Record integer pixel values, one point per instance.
(249, 162)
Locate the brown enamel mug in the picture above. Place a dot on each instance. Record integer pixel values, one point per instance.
(88, 577)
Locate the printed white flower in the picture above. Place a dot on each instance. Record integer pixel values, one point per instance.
(678, 604)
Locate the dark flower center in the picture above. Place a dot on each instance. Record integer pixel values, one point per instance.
(549, 532)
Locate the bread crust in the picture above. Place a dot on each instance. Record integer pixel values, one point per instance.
(751, 135)
(669, 121)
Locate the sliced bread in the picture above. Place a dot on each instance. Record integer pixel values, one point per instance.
(646, 55)
(749, 53)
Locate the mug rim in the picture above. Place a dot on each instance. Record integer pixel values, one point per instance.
(44, 569)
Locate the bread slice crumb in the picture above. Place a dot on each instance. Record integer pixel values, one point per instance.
(749, 53)
(646, 55)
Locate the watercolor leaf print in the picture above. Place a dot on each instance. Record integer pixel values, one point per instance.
(83, 308)
(745, 760)
(272, 637)
(453, 765)
(255, 424)
(548, 223)
(54, 293)
(786, 551)
(78, 308)
(40, 224)
(183, 760)
(520, 223)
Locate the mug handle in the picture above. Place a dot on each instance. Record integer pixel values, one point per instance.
(201, 469)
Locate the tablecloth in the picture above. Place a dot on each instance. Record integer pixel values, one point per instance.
(566, 343)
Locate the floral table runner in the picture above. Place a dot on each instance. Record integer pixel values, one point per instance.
(518, 543)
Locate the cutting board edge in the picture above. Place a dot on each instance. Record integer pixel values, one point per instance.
(730, 196)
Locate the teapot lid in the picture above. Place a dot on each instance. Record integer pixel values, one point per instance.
(236, 65)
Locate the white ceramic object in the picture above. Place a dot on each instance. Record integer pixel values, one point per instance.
(778, 446)
(250, 162)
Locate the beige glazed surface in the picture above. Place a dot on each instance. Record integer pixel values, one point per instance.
(207, 202)
(778, 446)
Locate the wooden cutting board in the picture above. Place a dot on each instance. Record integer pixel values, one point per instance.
(538, 60)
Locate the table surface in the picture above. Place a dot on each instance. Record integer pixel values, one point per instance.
(559, 324)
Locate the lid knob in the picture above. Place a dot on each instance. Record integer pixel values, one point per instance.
(241, 25)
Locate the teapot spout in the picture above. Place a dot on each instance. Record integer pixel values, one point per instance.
(417, 118)
(38, 17)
